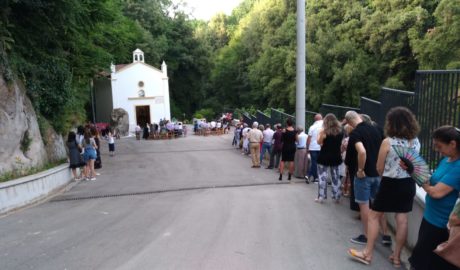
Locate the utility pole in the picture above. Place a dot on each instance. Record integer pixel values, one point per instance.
(91, 85)
(300, 64)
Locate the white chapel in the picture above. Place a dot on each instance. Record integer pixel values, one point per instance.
(138, 88)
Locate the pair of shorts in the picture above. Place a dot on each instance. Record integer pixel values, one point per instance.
(111, 147)
(366, 188)
(90, 154)
(395, 195)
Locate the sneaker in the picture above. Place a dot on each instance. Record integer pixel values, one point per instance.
(386, 240)
(360, 240)
(98, 174)
(307, 180)
(93, 179)
(319, 200)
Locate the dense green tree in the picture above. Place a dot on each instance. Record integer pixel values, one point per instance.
(60, 45)
(438, 47)
(246, 59)
(353, 48)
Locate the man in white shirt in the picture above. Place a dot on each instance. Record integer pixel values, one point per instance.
(138, 130)
(255, 136)
(267, 144)
(213, 125)
(301, 156)
(313, 147)
(245, 132)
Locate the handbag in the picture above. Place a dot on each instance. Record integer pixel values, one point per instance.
(450, 250)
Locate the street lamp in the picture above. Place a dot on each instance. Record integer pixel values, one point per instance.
(91, 85)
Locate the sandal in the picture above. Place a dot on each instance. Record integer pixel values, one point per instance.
(396, 262)
(359, 256)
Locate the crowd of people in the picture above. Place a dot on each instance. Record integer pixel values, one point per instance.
(164, 129)
(84, 151)
(358, 159)
(203, 127)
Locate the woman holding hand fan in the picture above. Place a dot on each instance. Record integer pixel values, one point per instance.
(442, 193)
(397, 187)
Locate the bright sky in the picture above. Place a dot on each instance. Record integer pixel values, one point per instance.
(205, 9)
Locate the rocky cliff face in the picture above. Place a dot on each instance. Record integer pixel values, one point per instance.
(120, 121)
(54, 144)
(21, 144)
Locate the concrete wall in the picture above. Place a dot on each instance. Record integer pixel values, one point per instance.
(125, 88)
(415, 218)
(33, 188)
(103, 100)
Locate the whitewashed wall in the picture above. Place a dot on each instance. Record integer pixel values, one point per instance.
(125, 85)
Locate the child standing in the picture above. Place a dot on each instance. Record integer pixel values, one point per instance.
(111, 141)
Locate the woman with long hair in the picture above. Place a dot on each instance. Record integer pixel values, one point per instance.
(90, 155)
(330, 157)
(288, 139)
(397, 188)
(80, 134)
(95, 134)
(346, 183)
(74, 155)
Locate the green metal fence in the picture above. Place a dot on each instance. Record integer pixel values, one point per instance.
(436, 103)
(280, 117)
(262, 118)
(338, 111)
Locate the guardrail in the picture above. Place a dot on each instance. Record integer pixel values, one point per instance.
(30, 189)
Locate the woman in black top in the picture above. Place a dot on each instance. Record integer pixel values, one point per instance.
(75, 160)
(95, 134)
(329, 159)
(288, 139)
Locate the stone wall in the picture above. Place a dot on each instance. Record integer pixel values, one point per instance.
(21, 143)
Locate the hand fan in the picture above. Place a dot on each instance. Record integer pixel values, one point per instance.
(416, 165)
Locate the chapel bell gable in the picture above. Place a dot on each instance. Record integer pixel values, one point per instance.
(138, 56)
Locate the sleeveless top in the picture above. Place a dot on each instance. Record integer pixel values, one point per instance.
(392, 168)
(288, 139)
(330, 153)
(90, 146)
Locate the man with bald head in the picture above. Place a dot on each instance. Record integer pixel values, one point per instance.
(255, 137)
(362, 152)
(314, 148)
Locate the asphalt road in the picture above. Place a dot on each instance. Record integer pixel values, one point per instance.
(188, 203)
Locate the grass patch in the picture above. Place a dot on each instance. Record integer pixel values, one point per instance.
(19, 170)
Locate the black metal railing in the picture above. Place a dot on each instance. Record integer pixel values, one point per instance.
(338, 111)
(262, 118)
(391, 98)
(373, 108)
(247, 119)
(436, 103)
(280, 117)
